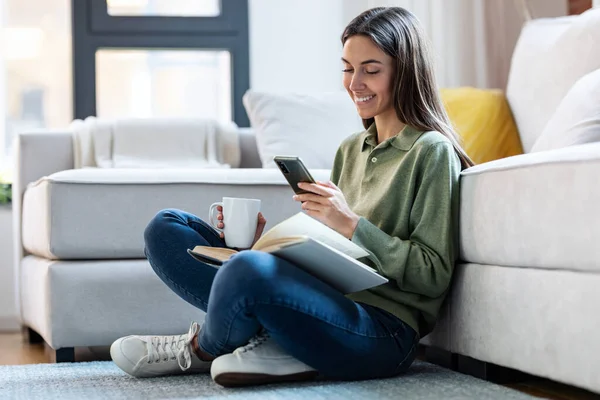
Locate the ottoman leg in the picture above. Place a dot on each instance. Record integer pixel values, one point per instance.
(66, 354)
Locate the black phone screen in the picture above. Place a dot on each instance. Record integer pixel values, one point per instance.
(294, 171)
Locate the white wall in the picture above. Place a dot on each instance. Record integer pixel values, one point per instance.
(473, 40)
(8, 311)
(2, 92)
(295, 44)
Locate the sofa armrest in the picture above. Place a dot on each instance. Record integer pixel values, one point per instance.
(584, 153)
(535, 210)
(37, 154)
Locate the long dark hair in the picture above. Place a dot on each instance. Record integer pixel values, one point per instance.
(398, 33)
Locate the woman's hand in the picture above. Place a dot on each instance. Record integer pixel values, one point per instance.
(260, 225)
(327, 203)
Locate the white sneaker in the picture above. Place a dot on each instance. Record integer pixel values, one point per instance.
(260, 361)
(148, 356)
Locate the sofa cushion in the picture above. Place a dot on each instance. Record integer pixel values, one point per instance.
(537, 210)
(96, 213)
(577, 119)
(550, 56)
(484, 122)
(310, 126)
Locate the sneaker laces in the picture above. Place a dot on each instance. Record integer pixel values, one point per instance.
(256, 341)
(165, 348)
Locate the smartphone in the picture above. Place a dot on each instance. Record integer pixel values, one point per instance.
(294, 171)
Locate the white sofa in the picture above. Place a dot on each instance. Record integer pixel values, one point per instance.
(83, 277)
(525, 293)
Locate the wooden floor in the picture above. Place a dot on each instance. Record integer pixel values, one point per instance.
(14, 350)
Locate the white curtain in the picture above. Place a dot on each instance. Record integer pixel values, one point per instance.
(473, 40)
(2, 92)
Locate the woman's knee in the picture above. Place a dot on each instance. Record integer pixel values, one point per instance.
(249, 270)
(159, 223)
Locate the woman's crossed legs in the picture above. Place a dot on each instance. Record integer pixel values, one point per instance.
(295, 323)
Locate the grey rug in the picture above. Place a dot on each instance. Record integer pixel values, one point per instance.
(103, 380)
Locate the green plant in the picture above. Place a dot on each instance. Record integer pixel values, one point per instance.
(5, 193)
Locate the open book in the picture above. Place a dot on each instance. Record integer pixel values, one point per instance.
(313, 247)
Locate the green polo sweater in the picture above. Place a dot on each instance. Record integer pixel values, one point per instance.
(406, 191)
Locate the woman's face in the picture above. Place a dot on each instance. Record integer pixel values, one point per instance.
(368, 74)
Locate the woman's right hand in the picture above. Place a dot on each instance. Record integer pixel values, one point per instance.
(260, 225)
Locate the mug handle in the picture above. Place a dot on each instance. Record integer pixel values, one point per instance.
(211, 216)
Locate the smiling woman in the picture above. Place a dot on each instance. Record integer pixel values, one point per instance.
(393, 191)
(389, 74)
(368, 77)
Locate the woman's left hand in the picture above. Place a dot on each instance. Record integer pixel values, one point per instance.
(327, 203)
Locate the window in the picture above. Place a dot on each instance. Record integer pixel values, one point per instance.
(173, 8)
(163, 83)
(35, 68)
(169, 58)
(138, 58)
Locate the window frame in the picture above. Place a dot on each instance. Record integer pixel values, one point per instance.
(94, 29)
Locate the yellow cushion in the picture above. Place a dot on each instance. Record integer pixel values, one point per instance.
(483, 119)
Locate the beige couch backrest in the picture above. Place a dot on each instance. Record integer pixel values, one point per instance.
(550, 56)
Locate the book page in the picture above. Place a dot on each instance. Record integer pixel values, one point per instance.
(270, 244)
(220, 253)
(304, 225)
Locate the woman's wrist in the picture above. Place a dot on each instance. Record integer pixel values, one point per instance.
(353, 223)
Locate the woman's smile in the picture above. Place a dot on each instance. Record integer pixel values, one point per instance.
(362, 101)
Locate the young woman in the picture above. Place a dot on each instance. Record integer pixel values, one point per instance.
(394, 190)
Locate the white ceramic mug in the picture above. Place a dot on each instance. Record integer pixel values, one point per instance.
(240, 217)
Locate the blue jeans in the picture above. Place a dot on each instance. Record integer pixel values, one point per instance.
(313, 322)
